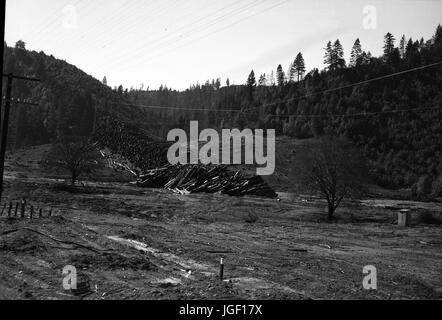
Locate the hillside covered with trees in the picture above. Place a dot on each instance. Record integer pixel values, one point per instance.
(389, 106)
(69, 101)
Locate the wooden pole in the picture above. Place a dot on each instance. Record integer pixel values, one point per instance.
(22, 209)
(32, 212)
(39, 213)
(16, 209)
(221, 269)
(10, 209)
(5, 124)
(4, 137)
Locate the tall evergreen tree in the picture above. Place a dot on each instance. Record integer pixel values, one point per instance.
(280, 76)
(356, 54)
(328, 57)
(338, 55)
(388, 46)
(105, 81)
(402, 46)
(299, 66)
(291, 72)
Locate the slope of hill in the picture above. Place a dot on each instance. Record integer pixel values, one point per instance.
(69, 100)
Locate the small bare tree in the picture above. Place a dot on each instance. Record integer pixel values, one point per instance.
(332, 168)
(77, 154)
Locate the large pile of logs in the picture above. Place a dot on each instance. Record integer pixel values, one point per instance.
(208, 179)
(132, 143)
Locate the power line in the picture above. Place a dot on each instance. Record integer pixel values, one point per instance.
(160, 46)
(361, 114)
(286, 100)
(351, 85)
(119, 18)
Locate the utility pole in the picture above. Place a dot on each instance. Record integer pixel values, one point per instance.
(5, 124)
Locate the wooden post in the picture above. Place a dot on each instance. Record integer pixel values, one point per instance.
(221, 269)
(3, 210)
(32, 212)
(50, 212)
(10, 209)
(16, 209)
(39, 213)
(22, 209)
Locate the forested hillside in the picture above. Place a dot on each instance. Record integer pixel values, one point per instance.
(68, 100)
(395, 119)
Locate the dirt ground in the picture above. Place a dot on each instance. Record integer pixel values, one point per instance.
(134, 243)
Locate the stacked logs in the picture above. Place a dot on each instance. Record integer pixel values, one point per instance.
(206, 179)
(132, 143)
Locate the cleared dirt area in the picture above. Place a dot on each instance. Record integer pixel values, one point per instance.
(137, 243)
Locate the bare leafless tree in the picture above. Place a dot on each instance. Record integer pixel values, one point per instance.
(77, 154)
(332, 168)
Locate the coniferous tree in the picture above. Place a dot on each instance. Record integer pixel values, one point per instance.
(402, 46)
(328, 57)
(105, 81)
(228, 82)
(20, 45)
(388, 46)
(299, 66)
(280, 76)
(271, 80)
(251, 83)
(262, 80)
(356, 54)
(292, 71)
(338, 55)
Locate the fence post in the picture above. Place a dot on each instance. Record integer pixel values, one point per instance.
(221, 269)
(16, 209)
(39, 213)
(32, 212)
(10, 209)
(50, 212)
(3, 210)
(22, 209)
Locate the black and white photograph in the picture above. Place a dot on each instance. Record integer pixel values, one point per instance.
(221, 154)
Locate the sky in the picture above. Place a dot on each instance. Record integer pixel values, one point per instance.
(181, 42)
